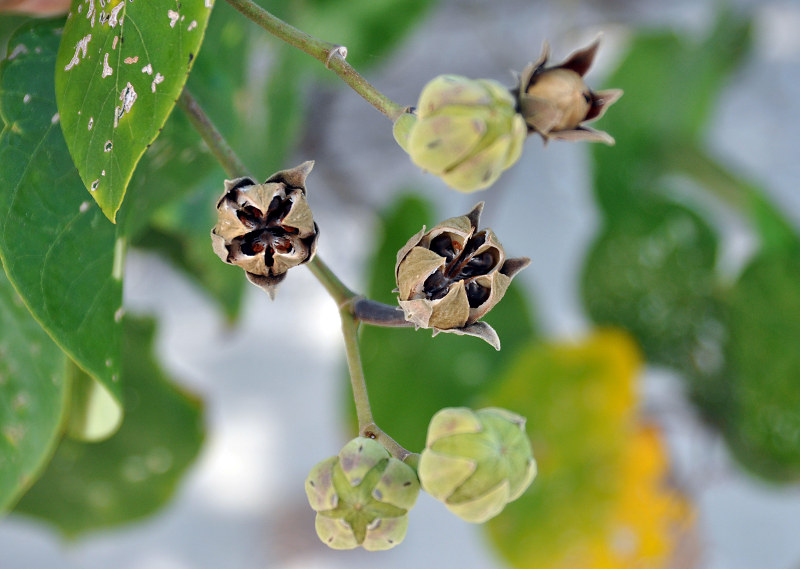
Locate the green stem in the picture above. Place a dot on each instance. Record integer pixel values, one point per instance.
(335, 287)
(345, 299)
(219, 147)
(329, 54)
(366, 424)
(357, 382)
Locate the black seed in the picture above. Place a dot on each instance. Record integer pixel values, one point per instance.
(436, 286)
(443, 245)
(477, 265)
(476, 294)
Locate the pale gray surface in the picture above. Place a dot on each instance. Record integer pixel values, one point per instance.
(243, 505)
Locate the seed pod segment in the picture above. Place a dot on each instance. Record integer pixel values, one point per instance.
(451, 276)
(268, 228)
(556, 102)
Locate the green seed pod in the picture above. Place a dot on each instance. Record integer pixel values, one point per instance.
(451, 276)
(362, 497)
(476, 461)
(556, 102)
(466, 131)
(266, 228)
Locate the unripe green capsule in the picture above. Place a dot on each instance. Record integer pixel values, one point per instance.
(362, 497)
(476, 461)
(466, 131)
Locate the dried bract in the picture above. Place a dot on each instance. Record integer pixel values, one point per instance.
(266, 228)
(556, 102)
(451, 276)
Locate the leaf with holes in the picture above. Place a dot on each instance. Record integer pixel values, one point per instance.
(58, 250)
(119, 71)
(32, 395)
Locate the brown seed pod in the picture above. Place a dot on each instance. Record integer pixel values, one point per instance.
(555, 101)
(451, 276)
(266, 228)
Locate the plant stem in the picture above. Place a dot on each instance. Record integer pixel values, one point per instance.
(219, 147)
(346, 300)
(366, 424)
(329, 54)
(357, 382)
(335, 287)
(379, 314)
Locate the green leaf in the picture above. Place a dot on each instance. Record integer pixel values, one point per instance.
(652, 273)
(58, 250)
(260, 113)
(369, 28)
(33, 390)
(132, 474)
(181, 233)
(431, 373)
(120, 69)
(671, 84)
(175, 166)
(762, 422)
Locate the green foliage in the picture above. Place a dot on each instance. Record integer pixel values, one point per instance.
(32, 394)
(57, 248)
(94, 485)
(652, 269)
(446, 371)
(761, 422)
(119, 71)
(653, 273)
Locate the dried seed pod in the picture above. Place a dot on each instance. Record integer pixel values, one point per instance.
(451, 276)
(476, 462)
(556, 102)
(466, 131)
(266, 228)
(362, 497)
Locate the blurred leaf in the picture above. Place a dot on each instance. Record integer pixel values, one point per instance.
(671, 84)
(132, 474)
(10, 23)
(600, 475)
(652, 273)
(177, 164)
(117, 81)
(255, 99)
(444, 371)
(762, 423)
(94, 415)
(58, 250)
(369, 28)
(33, 391)
(182, 235)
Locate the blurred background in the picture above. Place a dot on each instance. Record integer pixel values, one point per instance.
(652, 343)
